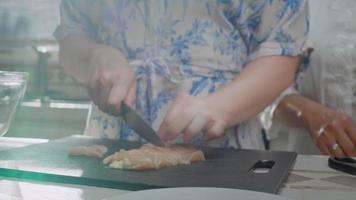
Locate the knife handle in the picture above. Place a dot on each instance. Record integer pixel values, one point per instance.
(124, 108)
(344, 164)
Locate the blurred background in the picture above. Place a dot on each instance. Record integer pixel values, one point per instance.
(54, 105)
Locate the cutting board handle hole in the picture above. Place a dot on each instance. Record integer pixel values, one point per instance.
(262, 167)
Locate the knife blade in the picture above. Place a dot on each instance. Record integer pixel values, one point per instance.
(139, 125)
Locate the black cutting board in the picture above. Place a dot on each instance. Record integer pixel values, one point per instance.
(226, 168)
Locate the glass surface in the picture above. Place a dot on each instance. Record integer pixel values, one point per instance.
(12, 89)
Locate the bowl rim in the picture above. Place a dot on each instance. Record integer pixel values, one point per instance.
(11, 75)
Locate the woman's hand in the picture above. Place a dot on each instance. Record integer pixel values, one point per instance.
(103, 69)
(333, 132)
(254, 88)
(337, 137)
(190, 115)
(111, 80)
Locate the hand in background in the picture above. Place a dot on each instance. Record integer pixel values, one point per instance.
(111, 80)
(333, 132)
(337, 137)
(190, 115)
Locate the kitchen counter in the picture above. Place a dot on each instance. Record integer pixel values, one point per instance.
(310, 178)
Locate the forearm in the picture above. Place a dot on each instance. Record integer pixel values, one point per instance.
(256, 87)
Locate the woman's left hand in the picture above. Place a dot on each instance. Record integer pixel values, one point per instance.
(338, 136)
(333, 132)
(190, 115)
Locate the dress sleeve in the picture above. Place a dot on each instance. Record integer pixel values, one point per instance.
(282, 29)
(74, 20)
(269, 123)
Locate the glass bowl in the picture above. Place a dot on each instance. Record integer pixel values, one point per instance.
(12, 89)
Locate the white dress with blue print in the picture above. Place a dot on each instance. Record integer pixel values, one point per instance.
(185, 46)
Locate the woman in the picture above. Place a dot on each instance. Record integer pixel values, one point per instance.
(329, 108)
(200, 69)
(328, 111)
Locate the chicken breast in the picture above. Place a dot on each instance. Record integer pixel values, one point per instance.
(154, 157)
(90, 151)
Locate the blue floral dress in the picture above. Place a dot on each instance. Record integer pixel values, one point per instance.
(184, 46)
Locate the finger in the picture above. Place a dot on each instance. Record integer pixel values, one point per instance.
(171, 114)
(330, 142)
(337, 152)
(196, 126)
(322, 143)
(342, 138)
(350, 128)
(130, 98)
(116, 96)
(93, 88)
(217, 130)
(351, 132)
(180, 102)
(104, 92)
(319, 132)
(173, 128)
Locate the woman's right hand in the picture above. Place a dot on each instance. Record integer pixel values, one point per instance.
(111, 80)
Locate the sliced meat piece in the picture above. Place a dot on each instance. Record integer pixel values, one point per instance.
(90, 151)
(154, 157)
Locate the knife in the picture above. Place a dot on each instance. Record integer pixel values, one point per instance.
(139, 125)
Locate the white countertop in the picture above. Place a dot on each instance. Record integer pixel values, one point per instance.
(310, 178)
